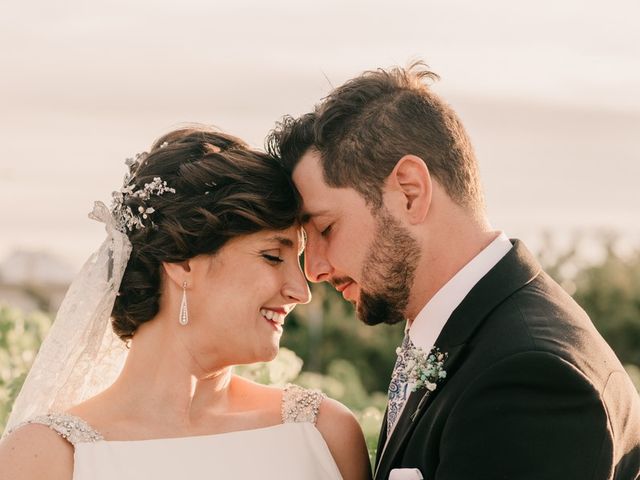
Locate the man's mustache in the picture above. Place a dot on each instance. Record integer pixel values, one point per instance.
(336, 282)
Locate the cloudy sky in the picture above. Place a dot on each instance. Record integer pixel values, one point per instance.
(550, 93)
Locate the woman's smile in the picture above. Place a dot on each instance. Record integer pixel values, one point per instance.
(274, 317)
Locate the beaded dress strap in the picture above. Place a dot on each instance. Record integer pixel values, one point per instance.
(300, 404)
(71, 428)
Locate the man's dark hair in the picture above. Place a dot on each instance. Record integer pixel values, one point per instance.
(365, 126)
(291, 138)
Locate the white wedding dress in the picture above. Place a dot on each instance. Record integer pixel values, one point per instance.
(294, 449)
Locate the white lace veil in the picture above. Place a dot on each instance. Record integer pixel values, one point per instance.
(81, 355)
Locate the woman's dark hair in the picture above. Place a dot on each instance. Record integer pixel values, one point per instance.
(223, 189)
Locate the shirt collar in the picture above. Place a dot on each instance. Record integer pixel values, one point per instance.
(428, 324)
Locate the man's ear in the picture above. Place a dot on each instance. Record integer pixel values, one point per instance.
(412, 179)
(178, 273)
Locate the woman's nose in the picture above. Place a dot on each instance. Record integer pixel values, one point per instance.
(296, 288)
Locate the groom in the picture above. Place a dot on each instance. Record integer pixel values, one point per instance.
(521, 384)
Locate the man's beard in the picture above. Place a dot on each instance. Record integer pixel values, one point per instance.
(388, 272)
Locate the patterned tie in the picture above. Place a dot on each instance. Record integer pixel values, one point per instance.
(398, 385)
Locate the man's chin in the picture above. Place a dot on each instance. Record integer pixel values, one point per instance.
(370, 321)
(372, 310)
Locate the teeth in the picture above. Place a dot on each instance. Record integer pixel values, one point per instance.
(273, 316)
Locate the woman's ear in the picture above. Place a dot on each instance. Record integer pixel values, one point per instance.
(412, 179)
(178, 273)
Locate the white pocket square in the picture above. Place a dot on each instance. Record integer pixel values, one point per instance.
(405, 474)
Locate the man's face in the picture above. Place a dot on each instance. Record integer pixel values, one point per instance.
(368, 256)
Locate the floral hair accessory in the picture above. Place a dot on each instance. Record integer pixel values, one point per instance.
(126, 218)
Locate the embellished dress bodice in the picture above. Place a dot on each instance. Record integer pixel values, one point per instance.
(294, 449)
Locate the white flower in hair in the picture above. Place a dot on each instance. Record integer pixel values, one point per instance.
(126, 218)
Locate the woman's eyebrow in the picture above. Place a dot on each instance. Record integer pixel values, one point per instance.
(284, 241)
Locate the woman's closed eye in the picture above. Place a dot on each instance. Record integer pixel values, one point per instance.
(272, 257)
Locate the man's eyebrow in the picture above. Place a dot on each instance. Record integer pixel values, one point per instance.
(306, 216)
(284, 241)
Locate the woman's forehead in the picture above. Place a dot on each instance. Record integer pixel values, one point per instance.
(292, 237)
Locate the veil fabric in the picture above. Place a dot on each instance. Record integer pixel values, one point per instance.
(81, 355)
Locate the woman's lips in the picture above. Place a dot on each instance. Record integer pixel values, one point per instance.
(275, 318)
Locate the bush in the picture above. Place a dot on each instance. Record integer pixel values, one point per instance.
(20, 339)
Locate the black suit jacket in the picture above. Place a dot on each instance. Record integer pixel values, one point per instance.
(532, 391)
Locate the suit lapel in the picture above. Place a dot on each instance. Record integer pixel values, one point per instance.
(516, 269)
(382, 438)
(416, 404)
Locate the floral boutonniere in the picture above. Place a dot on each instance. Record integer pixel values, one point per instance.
(424, 369)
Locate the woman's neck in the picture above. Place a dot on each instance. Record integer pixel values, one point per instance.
(161, 377)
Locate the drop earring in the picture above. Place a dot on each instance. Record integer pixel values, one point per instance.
(184, 311)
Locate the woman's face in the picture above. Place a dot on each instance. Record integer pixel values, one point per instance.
(238, 299)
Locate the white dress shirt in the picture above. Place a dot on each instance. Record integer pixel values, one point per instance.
(428, 324)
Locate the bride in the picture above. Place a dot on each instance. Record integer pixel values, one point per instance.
(198, 272)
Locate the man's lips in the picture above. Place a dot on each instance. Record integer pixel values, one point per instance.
(340, 283)
(348, 290)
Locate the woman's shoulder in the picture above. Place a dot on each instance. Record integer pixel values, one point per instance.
(34, 451)
(299, 404)
(308, 404)
(343, 435)
(336, 420)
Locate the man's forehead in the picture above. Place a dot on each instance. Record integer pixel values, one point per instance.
(308, 172)
(309, 180)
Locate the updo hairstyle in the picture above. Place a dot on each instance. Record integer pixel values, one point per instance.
(223, 189)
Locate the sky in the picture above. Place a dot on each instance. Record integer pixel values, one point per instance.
(549, 92)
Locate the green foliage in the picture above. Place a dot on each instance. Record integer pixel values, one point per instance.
(610, 293)
(634, 373)
(20, 339)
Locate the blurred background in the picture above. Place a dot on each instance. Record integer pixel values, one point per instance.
(549, 92)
